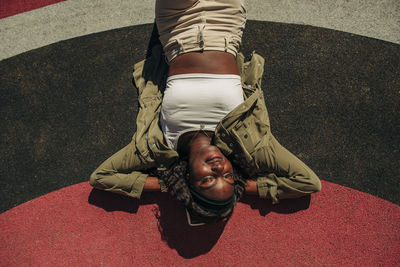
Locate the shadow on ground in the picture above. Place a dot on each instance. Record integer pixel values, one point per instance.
(188, 241)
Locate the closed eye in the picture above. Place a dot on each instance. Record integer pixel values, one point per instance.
(229, 178)
(228, 175)
(209, 179)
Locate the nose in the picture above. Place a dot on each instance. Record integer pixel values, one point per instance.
(218, 167)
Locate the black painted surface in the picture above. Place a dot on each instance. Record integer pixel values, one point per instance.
(333, 99)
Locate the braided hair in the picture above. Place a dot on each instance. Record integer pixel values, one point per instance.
(177, 182)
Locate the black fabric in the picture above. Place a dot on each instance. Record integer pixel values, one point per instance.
(215, 205)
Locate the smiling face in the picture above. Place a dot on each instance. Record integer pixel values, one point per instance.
(211, 173)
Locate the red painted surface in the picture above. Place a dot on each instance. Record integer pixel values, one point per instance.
(13, 7)
(76, 226)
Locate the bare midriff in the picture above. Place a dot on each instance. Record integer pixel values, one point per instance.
(212, 62)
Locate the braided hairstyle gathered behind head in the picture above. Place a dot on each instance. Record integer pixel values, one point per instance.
(177, 181)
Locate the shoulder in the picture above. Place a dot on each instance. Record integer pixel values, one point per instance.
(251, 71)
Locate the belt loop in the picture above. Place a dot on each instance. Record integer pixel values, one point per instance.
(227, 41)
(200, 37)
(203, 17)
(180, 45)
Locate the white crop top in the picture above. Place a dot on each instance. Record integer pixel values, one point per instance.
(197, 101)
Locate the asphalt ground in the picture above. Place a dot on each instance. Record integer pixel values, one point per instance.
(333, 100)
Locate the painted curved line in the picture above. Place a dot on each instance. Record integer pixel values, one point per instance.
(13, 7)
(72, 18)
(76, 225)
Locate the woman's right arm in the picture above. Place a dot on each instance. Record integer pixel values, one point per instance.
(251, 187)
(121, 173)
(286, 176)
(152, 184)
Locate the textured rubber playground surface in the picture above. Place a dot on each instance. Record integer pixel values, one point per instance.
(333, 99)
(76, 226)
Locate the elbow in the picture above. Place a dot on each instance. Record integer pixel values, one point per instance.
(94, 180)
(315, 184)
(310, 183)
